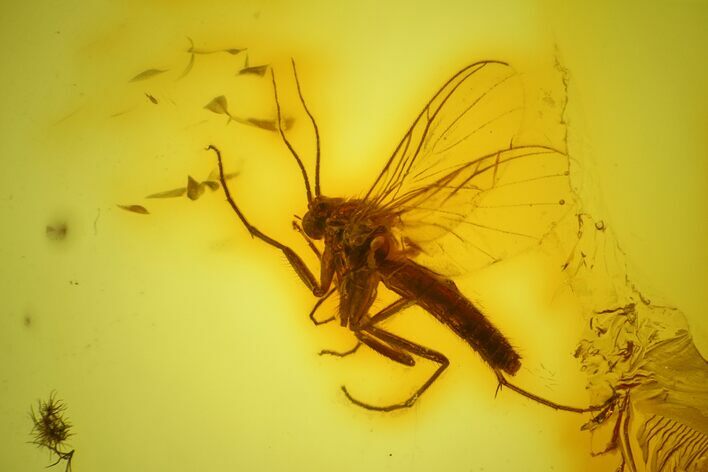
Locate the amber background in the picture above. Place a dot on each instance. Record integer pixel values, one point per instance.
(179, 344)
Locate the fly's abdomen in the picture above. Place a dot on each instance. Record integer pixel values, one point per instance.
(442, 298)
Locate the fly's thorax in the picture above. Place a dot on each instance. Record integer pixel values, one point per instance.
(359, 242)
(358, 234)
(367, 244)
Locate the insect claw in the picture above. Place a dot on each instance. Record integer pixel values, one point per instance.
(340, 354)
(500, 379)
(498, 389)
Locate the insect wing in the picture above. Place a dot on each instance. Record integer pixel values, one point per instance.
(468, 174)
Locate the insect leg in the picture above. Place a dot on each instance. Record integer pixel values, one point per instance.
(388, 311)
(319, 302)
(295, 261)
(615, 439)
(298, 228)
(503, 382)
(328, 352)
(397, 349)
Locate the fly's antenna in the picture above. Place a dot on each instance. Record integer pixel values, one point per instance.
(287, 143)
(314, 125)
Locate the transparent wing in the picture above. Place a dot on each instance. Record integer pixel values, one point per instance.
(469, 173)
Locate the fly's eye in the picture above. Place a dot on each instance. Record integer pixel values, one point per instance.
(313, 226)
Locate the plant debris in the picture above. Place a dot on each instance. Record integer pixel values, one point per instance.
(254, 70)
(56, 232)
(51, 429)
(194, 188)
(147, 74)
(220, 106)
(134, 209)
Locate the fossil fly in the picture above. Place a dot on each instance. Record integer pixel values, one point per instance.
(460, 159)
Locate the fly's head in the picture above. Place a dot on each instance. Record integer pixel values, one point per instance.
(319, 216)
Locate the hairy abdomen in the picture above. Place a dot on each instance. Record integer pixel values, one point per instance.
(442, 299)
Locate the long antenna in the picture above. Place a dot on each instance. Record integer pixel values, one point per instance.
(287, 143)
(314, 125)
